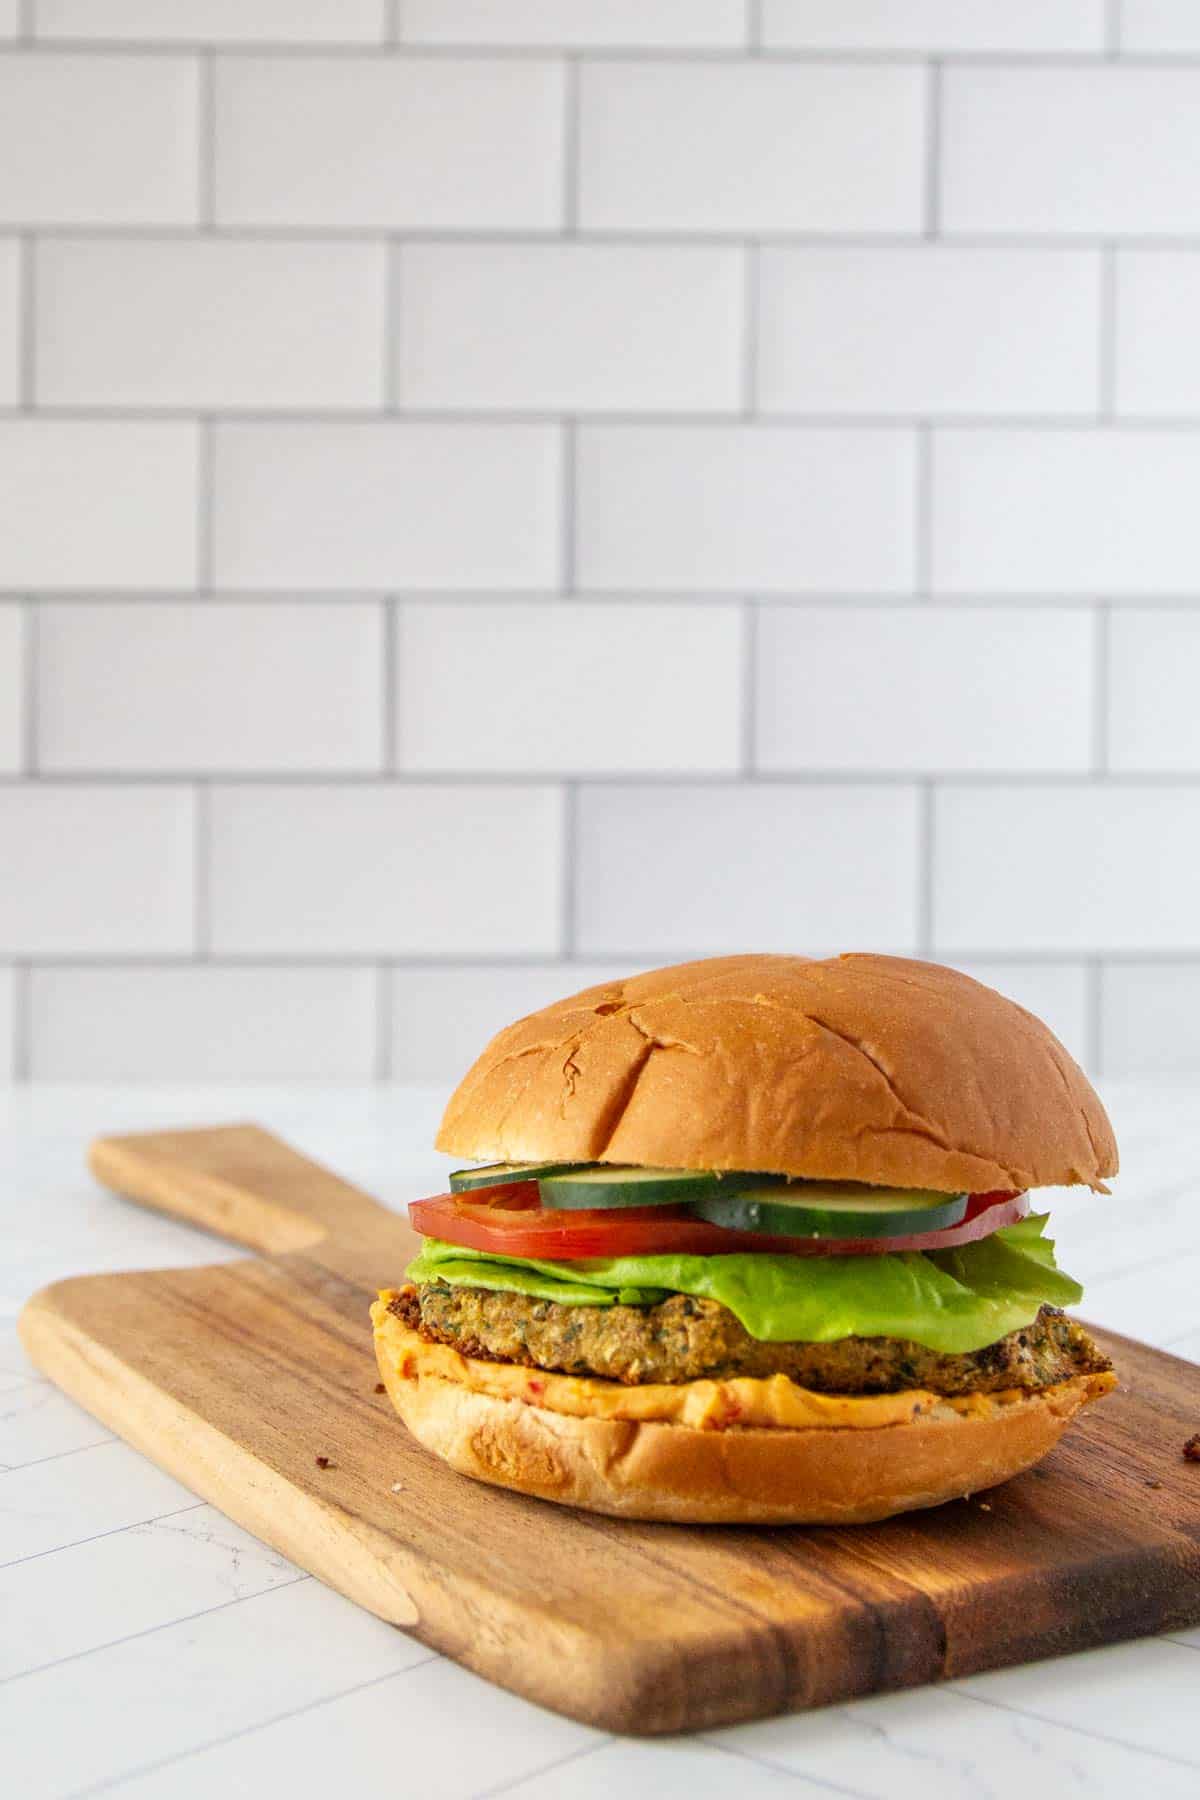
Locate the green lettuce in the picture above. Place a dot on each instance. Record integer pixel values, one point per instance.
(952, 1301)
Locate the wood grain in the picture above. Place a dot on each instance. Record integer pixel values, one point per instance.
(238, 1378)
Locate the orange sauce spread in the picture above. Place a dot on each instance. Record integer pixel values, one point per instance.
(705, 1405)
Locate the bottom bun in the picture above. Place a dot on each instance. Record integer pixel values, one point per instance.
(739, 1475)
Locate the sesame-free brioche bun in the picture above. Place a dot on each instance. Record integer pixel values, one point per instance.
(649, 1469)
(857, 1068)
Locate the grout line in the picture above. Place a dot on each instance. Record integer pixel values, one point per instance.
(1001, 956)
(384, 1001)
(25, 21)
(530, 1774)
(571, 135)
(1101, 680)
(570, 850)
(393, 323)
(923, 510)
(31, 657)
(206, 147)
(202, 870)
(933, 151)
(751, 325)
(392, 634)
(18, 1562)
(393, 23)
(1093, 1014)
(327, 780)
(27, 327)
(22, 1023)
(1108, 334)
(35, 1462)
(749, 685)
(1112, 27)
(764, 1762)
(947, 600)
(231, 1737)
(754, 27)
(629, 236)
(368, 49)
(133, 1636)
(568, 570)
(926, 849)
(1084, 424)
(206, 453)
(370, 231)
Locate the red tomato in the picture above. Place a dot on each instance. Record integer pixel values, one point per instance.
(510, 1221)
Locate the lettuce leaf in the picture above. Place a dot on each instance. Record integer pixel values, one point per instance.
(952, 1301)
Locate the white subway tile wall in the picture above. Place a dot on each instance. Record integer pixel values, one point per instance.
(11, 1058)
(87, 503)
(225, 687)
(571, 663)
(377, 869)
(10, 321)
(209, 324)
(924, 689)
(578, 24)
(99, 140)
(13, 708)
(750, 146)
(202, 1022)
(710, 870)
(933, 25)
(381, 504)
(1157, 300)
(777, 508)
(212, 21)
(97, 870)
(417, 142)
(497, 496)
(1003, 332)
(571, 327)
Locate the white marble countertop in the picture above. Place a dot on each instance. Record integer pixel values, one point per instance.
(152, 1649)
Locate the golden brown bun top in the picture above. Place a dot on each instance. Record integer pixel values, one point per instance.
(859, 1068)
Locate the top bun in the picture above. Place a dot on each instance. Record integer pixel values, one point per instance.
(857, 1068)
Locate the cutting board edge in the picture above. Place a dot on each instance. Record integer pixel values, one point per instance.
(582, 1685)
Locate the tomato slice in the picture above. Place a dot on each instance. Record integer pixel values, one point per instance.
(510, 1221)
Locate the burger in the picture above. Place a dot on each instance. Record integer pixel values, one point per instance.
(751, 1240)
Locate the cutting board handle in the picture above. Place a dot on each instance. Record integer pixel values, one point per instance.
(239, 1181)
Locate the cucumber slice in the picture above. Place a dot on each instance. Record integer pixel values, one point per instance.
(492, 1174)
(613, 1185)
(831, 1209)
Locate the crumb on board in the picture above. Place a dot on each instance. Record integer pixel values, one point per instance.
(324, 1462)
(379, 1388)
(985, 1506)
(1191, 1449)
(397, 1487)
(1153, 1484)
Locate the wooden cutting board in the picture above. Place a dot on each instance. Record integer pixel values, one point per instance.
(241, 1379)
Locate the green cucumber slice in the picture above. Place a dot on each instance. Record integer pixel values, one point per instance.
(831, 1209)
(492, 1174)
(605, 1185)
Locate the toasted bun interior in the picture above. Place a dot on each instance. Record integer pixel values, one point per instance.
(859, 1068)
(649, 1468)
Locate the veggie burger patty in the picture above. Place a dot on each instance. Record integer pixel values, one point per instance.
(686, 1338)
